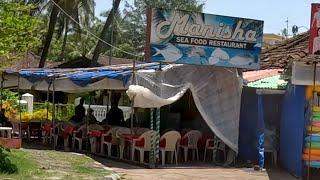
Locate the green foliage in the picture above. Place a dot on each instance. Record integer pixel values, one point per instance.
(129, 27)
(26, 165)
(8, 95)
(19, 32)
(65, 112)
(6, 166)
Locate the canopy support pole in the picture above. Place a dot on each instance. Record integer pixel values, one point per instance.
(132, 101)
(87, 123)
(310, 120)
(154, 125)
(108, 101)
(157, 134)
(53, 107)
(152, 152)
(1, 90)
(47, 102)
(19, 106)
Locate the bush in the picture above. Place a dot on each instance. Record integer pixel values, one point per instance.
(10, 110)
(6, 165)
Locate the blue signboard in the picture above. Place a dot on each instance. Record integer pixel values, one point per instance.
(196, 38)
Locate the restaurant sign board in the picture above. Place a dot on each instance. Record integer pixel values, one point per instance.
(197, 38)
(314, 38)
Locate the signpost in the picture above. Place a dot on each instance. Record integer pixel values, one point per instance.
(203, 39)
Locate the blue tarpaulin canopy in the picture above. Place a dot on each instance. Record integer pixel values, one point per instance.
(82, 79)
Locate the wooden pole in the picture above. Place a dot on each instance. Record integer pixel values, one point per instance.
(19, 104)
(1, 90)
(147, 53)
(53, 107)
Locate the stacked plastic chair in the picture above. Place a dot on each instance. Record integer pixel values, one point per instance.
(311, 154)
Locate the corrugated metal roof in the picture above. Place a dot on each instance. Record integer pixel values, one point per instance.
(274, 82)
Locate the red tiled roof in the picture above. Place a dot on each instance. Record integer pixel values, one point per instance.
(30, 61)
(282, 54)
(251, 76)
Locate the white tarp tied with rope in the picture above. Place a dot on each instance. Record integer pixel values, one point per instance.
(216, 93)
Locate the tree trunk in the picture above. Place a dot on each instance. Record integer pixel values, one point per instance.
(63, 47)
(52, 23)
(103, 34)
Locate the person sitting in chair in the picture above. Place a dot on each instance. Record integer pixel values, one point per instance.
(90, 117)
(115, 115)
(80, 113)
(3, 118)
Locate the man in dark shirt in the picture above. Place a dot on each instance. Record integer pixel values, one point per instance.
(79, 112)
(115, 115)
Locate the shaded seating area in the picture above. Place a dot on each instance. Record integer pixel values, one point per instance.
(140, 140)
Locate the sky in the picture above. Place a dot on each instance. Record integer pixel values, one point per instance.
(274, 13)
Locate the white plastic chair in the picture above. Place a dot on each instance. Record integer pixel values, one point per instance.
(16, 129)
(114, 140)
(46, 135)
(134, 129)
(140, 131)
(171, 138)
(149, 138)
(83, 130)
(193, 137)
(93, 140)
(65, 140)
(274, 154)
(56, 132)
(218, 145)
(119, 131)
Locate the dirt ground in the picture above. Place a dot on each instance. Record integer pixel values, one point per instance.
(68, 165)
(59, 167)
(193, 171)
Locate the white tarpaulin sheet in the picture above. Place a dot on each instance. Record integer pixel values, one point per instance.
(303, 74)
(216, 92)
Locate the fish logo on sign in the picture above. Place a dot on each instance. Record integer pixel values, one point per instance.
(217, 55)
(170, 53)
(242, 60)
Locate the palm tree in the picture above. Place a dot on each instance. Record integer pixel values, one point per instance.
(77, 9)
(104, 31)
(83, 16)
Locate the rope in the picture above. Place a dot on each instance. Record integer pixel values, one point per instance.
(64, 12)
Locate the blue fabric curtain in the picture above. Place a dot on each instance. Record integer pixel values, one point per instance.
(251, 132)
(248, 126)
(292, 129)
(260, 132)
